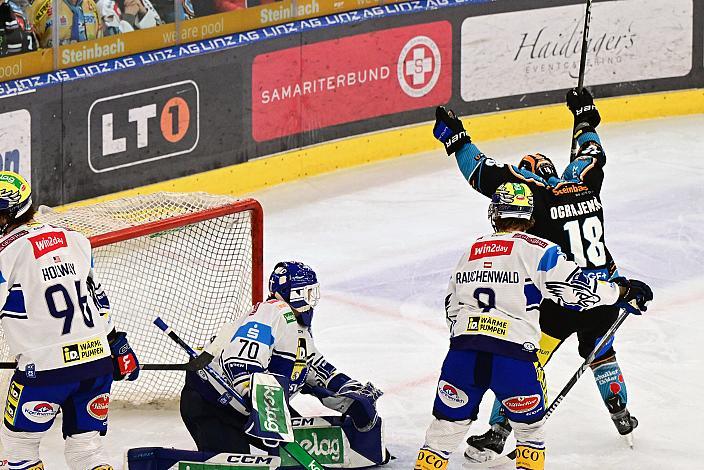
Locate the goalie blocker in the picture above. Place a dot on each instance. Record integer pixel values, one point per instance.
(333, 441)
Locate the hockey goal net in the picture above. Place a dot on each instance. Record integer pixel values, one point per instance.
(193, 259)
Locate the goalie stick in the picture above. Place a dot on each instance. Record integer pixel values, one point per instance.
(294, 449)
(511, 456)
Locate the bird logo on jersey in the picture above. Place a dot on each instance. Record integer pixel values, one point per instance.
(578, 290)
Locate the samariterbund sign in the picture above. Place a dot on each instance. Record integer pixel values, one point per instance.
(357, 77)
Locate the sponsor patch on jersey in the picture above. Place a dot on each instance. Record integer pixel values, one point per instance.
(13, 399)
(532, 240)
(40, 411)
(451, 395)
(289, 317)
(301, 362)
(47, 242)
(521, 404)
(484, 324)
(8, 241)
(98, 407)
(490, 248)
(84, 351)
(255, 331)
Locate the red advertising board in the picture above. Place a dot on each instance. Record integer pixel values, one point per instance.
(349, 79)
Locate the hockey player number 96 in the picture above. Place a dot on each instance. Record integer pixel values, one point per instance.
(57, 295)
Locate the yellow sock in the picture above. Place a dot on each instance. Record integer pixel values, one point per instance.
(430, 460)
(530, 458)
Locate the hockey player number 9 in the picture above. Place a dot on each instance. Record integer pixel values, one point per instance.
(490, 297)
(64, 298)
(591, 232)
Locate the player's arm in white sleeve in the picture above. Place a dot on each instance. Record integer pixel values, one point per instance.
(564, 282)
(100, 298)
(452, 304)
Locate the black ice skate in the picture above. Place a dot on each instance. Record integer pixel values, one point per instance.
(489, 445)
(625, 423)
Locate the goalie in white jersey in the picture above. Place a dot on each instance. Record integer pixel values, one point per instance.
(275, 338)
(55, 317)
(492, 312)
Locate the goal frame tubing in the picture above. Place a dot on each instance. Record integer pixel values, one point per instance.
(257, 222)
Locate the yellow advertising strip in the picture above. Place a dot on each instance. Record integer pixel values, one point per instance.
(290, 166)
(197, 29)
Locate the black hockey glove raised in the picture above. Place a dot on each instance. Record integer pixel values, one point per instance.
(124, 360)
(583, 108)
(633, 289)
(449, 130)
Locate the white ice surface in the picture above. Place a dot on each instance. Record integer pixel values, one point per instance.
(383, 239)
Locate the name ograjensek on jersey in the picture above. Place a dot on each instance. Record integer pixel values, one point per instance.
(269, 340)
(55, 314)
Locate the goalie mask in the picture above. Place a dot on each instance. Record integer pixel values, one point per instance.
(15, 197)
(540, 165)
(296, 284)
(511, 201)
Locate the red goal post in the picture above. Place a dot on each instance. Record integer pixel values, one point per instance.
(194, 259)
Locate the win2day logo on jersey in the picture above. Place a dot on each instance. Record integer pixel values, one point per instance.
(490, 248)
(47, 242)
(143, 126)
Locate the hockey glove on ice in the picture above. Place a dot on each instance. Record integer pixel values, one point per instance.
(583, 108)
(124, 360)
(633, 289)
(449, 130)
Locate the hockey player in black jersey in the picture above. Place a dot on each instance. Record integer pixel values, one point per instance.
(568, 212)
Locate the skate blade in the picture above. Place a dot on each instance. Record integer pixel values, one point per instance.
(628, 439)
(498, 461)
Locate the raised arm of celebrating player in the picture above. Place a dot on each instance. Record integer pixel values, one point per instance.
(483, 173)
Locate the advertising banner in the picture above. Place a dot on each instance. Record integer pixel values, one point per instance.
(16, 142)
(359, 77)
(117, 124)
(538, 50)
(196, 29)
(143, 126)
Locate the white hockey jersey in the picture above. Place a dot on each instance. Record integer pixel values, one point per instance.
(54, 313)
(493, 296)
(269, 339)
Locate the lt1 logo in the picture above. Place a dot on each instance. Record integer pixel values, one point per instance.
(143, 126)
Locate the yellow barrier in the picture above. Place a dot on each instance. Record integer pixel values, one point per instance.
(197, 29)
(323, 158)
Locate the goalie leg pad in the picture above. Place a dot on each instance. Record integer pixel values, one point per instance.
(85, 450)
(162, 458)
(22, 448)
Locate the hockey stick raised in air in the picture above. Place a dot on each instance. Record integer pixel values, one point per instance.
(13, 365)
(511, 456)
(582, 64)
(294, 449)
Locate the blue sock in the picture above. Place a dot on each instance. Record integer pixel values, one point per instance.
(611, 385)
(497, 417)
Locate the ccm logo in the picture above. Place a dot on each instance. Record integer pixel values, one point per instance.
(143, 126)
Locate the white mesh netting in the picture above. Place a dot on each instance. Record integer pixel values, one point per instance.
(195, 276)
